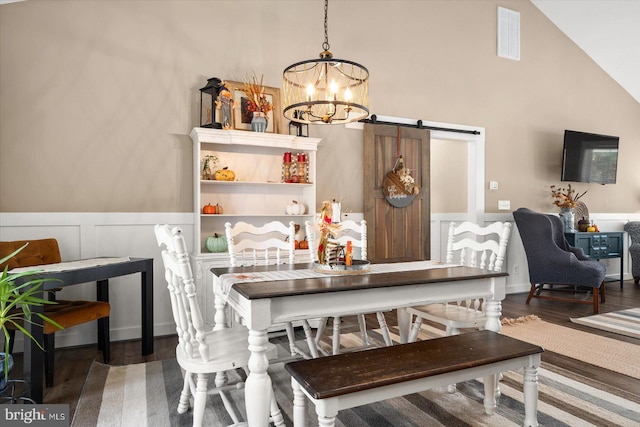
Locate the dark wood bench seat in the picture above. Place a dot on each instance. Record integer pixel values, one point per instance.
(348, 380)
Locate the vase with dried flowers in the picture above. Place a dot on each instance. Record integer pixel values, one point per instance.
(257, 103)
(566, 199)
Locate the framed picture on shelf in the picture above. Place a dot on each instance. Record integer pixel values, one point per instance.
(241, 114)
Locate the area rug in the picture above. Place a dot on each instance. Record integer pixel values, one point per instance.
(147, 395)
(623, 322)
(600, 351)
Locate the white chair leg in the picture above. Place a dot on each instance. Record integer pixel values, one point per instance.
(185, 395)
(311, 343)
(335, 344)
(451, 388)
(291, 337)
(276, 415)
(228, 405)
(322, 326)
(200, 399)
(415, 330)
(384, 329)
(363, 330)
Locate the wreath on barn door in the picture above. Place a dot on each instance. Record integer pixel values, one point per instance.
(399, 187)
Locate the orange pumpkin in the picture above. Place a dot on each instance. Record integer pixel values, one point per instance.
(304, 244)
(208, 209)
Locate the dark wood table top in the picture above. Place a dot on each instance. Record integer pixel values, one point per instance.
(91, 273)
(336, 283)
(325, 376)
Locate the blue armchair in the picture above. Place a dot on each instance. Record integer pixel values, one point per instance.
(552, 261)
(633, 229)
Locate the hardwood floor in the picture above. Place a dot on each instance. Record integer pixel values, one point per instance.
(72, 364)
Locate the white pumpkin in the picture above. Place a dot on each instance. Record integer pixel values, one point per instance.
(295, 208)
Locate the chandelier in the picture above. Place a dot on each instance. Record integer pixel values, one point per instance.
(326, 90)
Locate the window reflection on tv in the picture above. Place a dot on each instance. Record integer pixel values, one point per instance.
(589, 157)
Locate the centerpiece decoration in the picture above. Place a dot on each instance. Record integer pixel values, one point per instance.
(567, 200)
(257, 103)
(332, 255)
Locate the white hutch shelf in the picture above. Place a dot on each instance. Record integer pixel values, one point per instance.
(257, 196)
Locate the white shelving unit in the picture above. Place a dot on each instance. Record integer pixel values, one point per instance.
(258, 194)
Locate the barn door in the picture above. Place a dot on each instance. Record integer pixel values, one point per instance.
(396, 232)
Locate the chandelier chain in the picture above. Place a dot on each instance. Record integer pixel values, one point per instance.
(325, 45)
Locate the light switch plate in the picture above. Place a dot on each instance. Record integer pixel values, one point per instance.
(493, 185)
(504, 205)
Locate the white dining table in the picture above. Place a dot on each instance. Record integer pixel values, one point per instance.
(268, 295)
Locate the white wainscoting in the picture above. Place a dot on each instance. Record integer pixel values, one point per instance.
(85, 235)
(516, 260)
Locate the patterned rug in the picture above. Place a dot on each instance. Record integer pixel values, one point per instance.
(624, 322)
(147, 395)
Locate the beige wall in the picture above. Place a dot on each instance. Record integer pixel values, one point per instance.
(97, 98)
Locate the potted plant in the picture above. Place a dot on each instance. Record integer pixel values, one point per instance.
(16, 301)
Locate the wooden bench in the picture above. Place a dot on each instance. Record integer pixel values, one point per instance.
(348, 380)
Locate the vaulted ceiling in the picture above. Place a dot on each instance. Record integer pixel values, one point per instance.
(607, 30)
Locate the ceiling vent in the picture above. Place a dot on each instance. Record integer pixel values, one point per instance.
(508, 34)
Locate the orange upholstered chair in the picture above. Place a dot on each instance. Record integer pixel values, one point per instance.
(65, 313)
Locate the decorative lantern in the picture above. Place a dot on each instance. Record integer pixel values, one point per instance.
(297, 128)
(208, 98)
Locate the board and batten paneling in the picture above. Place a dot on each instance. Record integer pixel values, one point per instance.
(87, 235)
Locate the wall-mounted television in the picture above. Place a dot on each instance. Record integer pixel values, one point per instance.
(589, 157)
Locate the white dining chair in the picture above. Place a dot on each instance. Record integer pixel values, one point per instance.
(201, 351)
(271, 243)
(474, 246)
(356, 232)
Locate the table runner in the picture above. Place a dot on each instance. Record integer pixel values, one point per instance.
(71, 265)
(228, 280)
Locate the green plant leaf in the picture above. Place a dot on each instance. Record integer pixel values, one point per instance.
(16, 302)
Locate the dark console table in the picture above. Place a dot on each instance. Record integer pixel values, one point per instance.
(34, 357)
(600, 245)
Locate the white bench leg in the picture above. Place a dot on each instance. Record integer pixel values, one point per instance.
(327, 410)
(530, 389)
(299, 405)
(490, 394)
